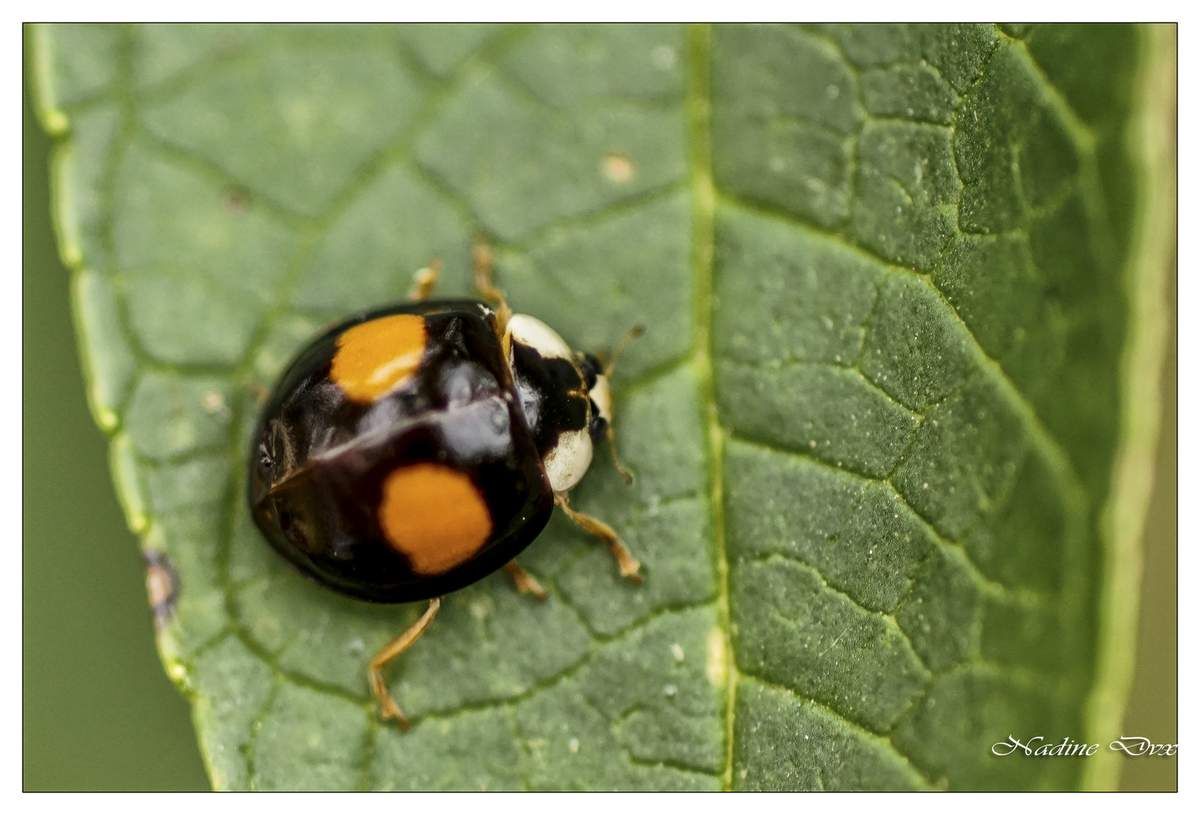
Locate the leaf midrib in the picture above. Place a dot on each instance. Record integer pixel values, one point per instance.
(698, 105)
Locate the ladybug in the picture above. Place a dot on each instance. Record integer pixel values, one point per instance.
(414, 449)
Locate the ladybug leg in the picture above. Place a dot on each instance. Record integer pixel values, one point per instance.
(610, 435)
(627, 564)
(610, 432)
(524, 582)
(424, 280)
(483, 259)
(388, 709)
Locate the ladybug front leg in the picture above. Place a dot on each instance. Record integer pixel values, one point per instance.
(483, 259)
(424, 281)
(627, 564)
(388, 709)
(524, 582)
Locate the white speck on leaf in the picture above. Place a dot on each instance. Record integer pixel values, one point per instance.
(480, 610)
(618, 168)
(214, 403)
(663, 57)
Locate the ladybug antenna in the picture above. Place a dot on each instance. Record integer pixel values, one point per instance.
(619, 349)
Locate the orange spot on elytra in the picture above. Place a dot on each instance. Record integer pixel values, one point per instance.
(374, 357)
(434, 515)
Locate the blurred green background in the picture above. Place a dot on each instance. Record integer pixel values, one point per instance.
(99, 713)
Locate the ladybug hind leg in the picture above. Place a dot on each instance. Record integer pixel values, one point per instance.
(524, 582)
(388, 709)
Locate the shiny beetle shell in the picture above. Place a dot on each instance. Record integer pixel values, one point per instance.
(404, 455)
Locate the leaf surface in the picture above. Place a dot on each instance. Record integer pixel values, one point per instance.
(874, 418)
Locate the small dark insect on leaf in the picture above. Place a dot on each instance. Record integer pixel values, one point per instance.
(162, 585)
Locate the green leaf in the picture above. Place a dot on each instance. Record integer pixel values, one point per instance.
(899, 281)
